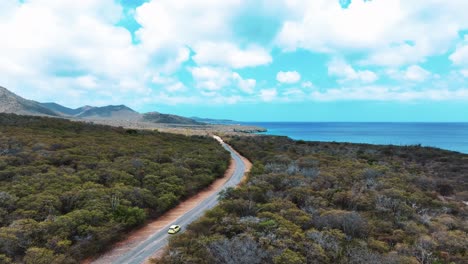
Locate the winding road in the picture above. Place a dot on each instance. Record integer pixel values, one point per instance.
(158, 240)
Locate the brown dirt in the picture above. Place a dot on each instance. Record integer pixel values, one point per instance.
(142, 234)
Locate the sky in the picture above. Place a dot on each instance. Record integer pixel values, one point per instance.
(247, 60)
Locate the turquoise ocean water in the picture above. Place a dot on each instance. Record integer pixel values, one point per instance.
(450, 136)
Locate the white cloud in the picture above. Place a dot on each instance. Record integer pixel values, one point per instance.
(204, 26)
(341, 69)
(397, 55)
(87, 81)
(7, 5)
(367, 76)
(74, 52)
(382, 93)
(414, 73)
(170, 99)
(293, 94)
(288, 77)
(394, 32)
(247, 85)
(307, 84)
(158, 78)
(168, 83)
(227, 99)
(173, 59)
(228, 54)
(312, 27)
(176, 87)
(268, 95)
(460, 56)
(213, 79)
(167, 23)
(58, 48)
(464, 72)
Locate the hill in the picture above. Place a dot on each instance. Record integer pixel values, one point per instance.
(156, 117)
(113, 112)
(12, 103)
(65, 110)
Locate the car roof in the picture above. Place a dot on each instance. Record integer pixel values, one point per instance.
(174, 226)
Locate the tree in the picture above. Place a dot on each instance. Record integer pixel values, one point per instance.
(5, 260)
(238, 250)
(289, 257)
(37, 255)
(129, 216)
(351, 223)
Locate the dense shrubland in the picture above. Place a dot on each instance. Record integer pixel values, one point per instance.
(68, 189)
(310, 202)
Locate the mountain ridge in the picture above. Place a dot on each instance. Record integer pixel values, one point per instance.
(66, 110)
(111, 112)
(12, 103)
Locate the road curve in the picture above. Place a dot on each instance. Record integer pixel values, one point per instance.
(143, 251)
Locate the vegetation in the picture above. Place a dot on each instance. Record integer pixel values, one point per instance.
(68, 189)
(155, 117)
(310, 202)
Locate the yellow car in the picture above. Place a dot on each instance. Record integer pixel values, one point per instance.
(174, 229)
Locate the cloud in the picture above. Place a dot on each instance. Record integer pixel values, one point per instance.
(464, 72)
(204, 26)
(460, 56)
(87, 81)
(172, 61)
(383, 93)
(292, 95)
(344, 71)
(227, 99)
(311, 27)
(76, 53)
(413, 73)
(396, 55)
(212, 79)
(166, 23)
(58, 48)
(229, 55)
(392, 33)
(247, 85)
(158, 78)
(416, 73)
(307, 84)
(176, 87)
(288, 77)
(268, 95)
(170, 99)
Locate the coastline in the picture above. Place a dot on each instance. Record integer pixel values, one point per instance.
(447, 136)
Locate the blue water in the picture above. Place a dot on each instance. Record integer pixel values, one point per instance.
(450, 136)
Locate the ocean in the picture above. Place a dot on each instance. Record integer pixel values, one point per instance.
(450, 136)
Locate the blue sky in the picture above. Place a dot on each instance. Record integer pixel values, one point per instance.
(283, 60)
